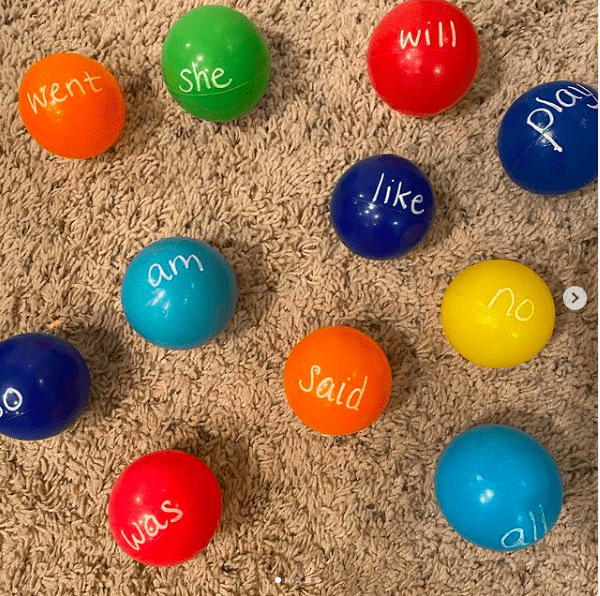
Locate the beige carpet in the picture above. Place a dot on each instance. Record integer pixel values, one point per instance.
(332, 517)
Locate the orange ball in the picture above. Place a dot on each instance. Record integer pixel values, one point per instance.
(71, 105)
(337, 380)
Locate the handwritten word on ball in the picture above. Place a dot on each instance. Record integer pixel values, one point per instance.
(423, 56)
(72, 105)
(498, 487)
(44, 386)
(337, 380)
(179, 293)
(164, 508)
(548, 138)
(498, 313)
(216, 63)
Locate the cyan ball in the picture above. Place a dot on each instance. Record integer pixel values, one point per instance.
(44, 386)
(382, 207)
(548, 138)
(498, 487)
(179, 293)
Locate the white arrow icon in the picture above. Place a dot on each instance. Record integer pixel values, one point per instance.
(575, 298)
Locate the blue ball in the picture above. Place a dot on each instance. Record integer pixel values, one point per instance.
(44, 386)
(498, 487)
(382, 207)
(179, 293)
(548, 138)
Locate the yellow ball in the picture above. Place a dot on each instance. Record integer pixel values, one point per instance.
(498, 313)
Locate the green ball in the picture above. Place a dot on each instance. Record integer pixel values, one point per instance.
(216, 63)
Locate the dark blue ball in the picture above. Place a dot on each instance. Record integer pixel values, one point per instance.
(548, 138)
(44, 386)
(382, 207)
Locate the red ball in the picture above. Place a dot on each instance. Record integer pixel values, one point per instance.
(164, 508)
(423, 56)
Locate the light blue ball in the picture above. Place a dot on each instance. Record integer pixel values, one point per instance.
(179, 293)
(498, 487)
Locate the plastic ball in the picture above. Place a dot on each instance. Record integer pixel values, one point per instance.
(44, 386)
(72, 105)
(179, 293)
(337, 380)
(498, 487)
(216, 63)
(382, 207)
(548, 138)
(423, 56)
(498, 313)
(164, 508)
